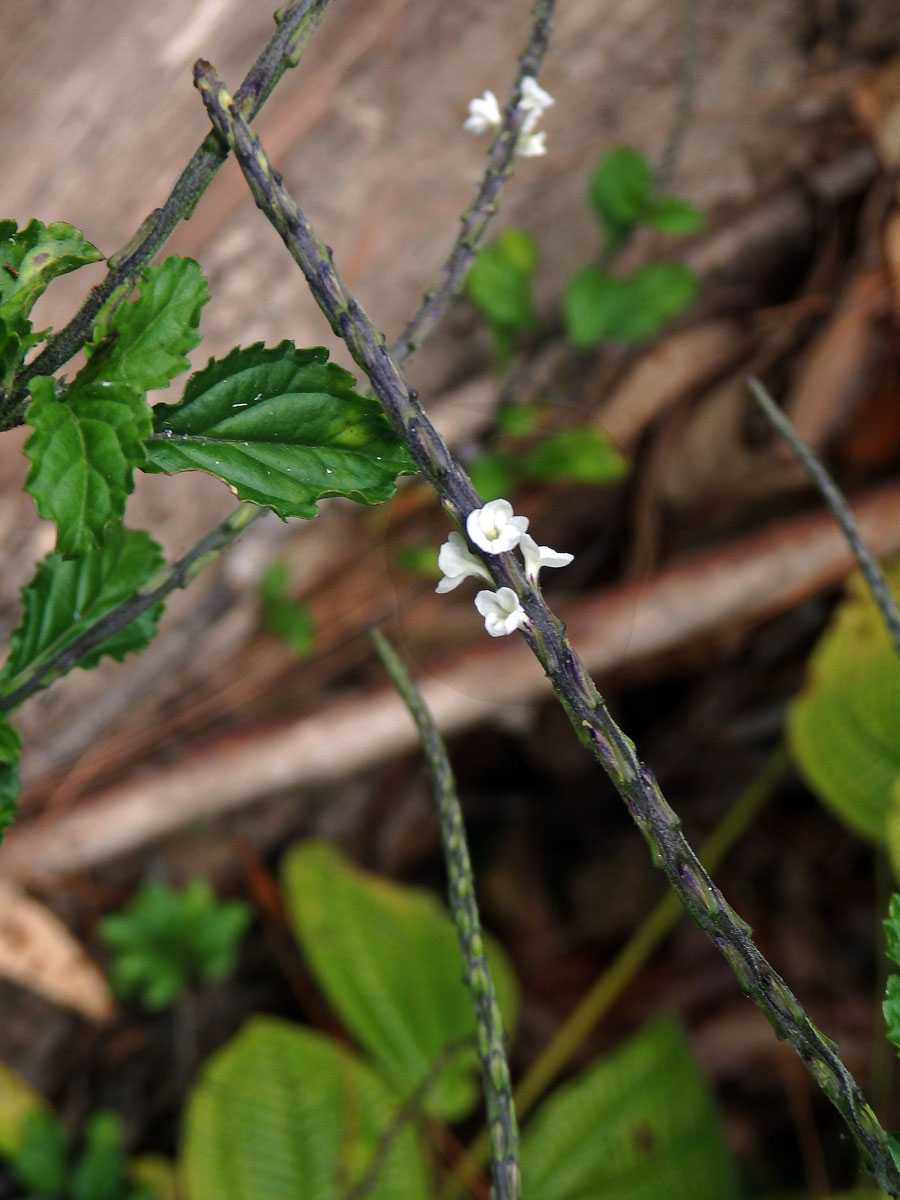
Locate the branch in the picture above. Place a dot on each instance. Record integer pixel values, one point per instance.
(502, 1126)
(297, 22)
(546, 636)
(477, 217)
(178, 575)
(840, 509)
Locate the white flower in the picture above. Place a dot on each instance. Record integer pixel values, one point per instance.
(534, 96)
(458, 562)
(502, 611)
(532, 145)
(494, 528)
(540, 556)
(484, 114)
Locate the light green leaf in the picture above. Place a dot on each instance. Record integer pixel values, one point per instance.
(593, 307)
(639, 1125)
(387, 957)
(653, 296)
(67, 597)
(844, 727)
(282, 427)
(495, 475)
(18, 1100)
(31, 257)
(283, 1112)
(83, 452)
(144, 344)
(499, 282)
(620, 190)
(576, 456)
(675, 217)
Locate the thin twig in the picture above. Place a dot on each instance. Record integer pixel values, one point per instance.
(546, 636)
(297, 22)
(840, 509)
(501, 1116)
(477, 217)
(177, 575)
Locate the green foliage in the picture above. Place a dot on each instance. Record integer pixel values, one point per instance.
(284, 1112)
(44, 1165)
(19, 1101)
(844, 726)
(891, 1005)
(499, 284)
(638, 1125)
(10, 746)
(292, 622)
(598, 306)
(623, 194)
(66, 598)
(144, 344)
(282, 427)
(166, 939)
(83, 452)
(387, 958)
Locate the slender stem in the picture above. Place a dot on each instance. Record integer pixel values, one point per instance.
(477, 217)
(176, 575)
(687, 93)
(503, 1129)
(840, 509)
(297, 22)
(546, 636)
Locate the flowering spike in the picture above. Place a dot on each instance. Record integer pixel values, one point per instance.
(502, 611)
(457, 562)
(494, 528)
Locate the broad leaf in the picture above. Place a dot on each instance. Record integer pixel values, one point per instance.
(387, 957)
(639, 1125)
(144, 344)
(67, 597)
(282, 427)
(83, 452)
(499, 281)
(283, 1112)
(653, 296)
(593, 307)
(844, 727)
(31, 257)
(576, 456)
(620, 189)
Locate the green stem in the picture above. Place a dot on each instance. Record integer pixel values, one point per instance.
(503, 1130)
(546, 636)
(296, 22)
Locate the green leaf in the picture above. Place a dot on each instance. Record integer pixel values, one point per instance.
(40, 1163)
(653, 296)
(83, 453)
(100, 1170)
(676, 217)
(284, 1112)
(593, 306)
(495, 475)
(18, 1100)
(10, 784)
(387, 958)
(31, 257)
(499, 282)
(291, 621)
(641, 1123)
(16, 339)
(844, 727)
(144, 344)
(576, 456)
(67, 597)
(620, 190)
(282, 427)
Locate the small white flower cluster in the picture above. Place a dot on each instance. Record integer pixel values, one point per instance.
(484, 114)
(495, 529)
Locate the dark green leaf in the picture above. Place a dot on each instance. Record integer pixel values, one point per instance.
(282, 427)
(31, 257)
(499, 282)
(576, 456)
(891, 1009)
(653, 296)
(100, 1171)
(620, 189)
(83, 452)
(892, 928)
(10, 745)
(284, 1113)
(67, 597)
(144, 344)
(40, 1162)
(676, 217)
(16, 339)
(593, 307)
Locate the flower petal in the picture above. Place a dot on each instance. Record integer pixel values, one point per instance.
(457, 562)
(494, 528)
(536, 556)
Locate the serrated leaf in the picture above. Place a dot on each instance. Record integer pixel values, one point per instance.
(83, 452)
(67, 597)
(639, 1125)
(145, 344)
(283, 428)
(593, 304)
(31, 257)
(844, 727)
(620, 189)
(676, 217)
(387, 958)
(576, 456)
(499, 282)
(284, 1112)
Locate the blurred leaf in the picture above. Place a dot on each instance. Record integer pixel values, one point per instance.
(18, 1100)
(638, 1125)
(620, 190)
(844, 726)
(653, 296)
(418, 560)
(519, 418)
(575, 456)
(494, 475)
(99, 1172)
(291, 621)
(40, 1163)
(154, 1176)
(676, 217)
(283, 1112)
(593, 307)
(499, 282)
(387, 957)
(282, 427)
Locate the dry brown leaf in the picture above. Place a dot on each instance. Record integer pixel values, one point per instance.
(38, 952)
